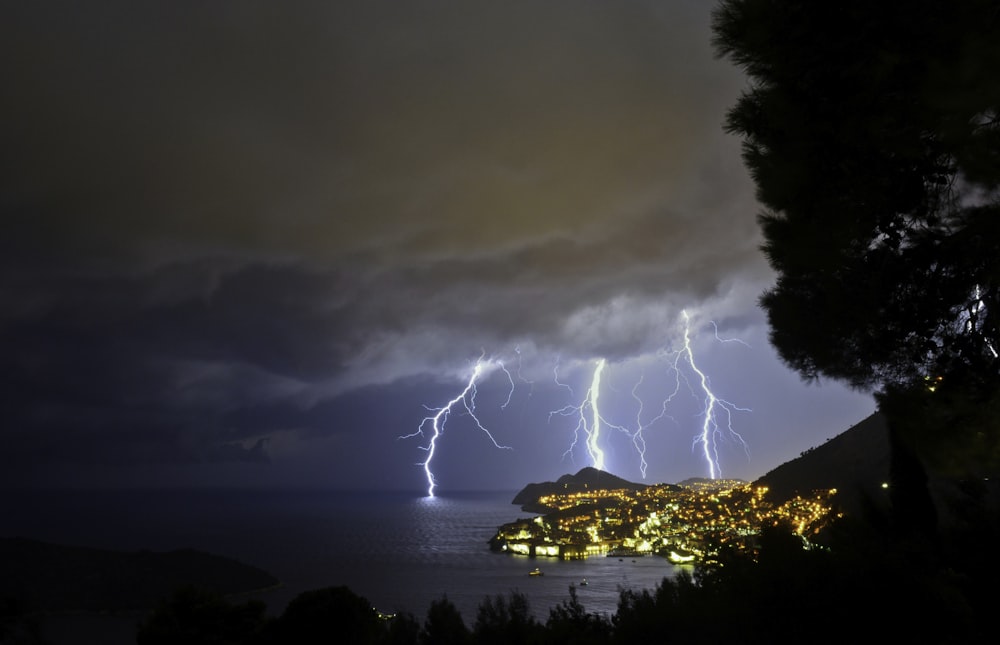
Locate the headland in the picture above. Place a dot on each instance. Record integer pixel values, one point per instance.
(598, 514)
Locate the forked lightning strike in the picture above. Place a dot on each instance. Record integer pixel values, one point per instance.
(555, 377)
(594, 434)
(434, 424)
(590, 427)
(711, 429)
(716, 414)
(638, 440)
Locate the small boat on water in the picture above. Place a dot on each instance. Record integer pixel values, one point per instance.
(584, 583)
(536, 572)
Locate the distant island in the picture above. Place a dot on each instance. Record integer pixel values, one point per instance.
(55, 577)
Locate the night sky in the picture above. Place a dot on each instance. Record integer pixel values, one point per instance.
(246, 243)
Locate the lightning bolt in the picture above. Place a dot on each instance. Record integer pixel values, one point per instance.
(434, 424)
(723, 340)
(510, 392)
(589, 418)
(531, 384)
(555, 377)
(716, 413)
(638, 439)
(717, 421)
(680, 380)
(594, 434)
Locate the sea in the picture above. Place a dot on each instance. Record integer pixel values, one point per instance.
(401, 551)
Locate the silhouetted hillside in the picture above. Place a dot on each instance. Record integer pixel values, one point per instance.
(855, 462)
(53, 577)
(586, 479)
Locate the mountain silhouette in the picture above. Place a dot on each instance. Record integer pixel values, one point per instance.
(585, 479)
(855, 462)
(59, 577)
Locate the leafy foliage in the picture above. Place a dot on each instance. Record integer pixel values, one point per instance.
(199, 617)
(506, 620)
(16, 625)
(570, 624)
(444, 625)
(327, 615)
(872, 131)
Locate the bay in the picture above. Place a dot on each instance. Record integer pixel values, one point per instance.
(399, 550)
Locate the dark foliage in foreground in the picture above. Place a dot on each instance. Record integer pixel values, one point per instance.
(872, 133)
(17, 625)
(200, 617)
(867, 582)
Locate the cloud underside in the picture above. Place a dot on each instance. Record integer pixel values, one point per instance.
(227, 203)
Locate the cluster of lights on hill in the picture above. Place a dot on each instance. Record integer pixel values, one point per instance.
(716, 412)
(685, 523)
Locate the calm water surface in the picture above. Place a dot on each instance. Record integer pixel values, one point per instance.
(400, 551)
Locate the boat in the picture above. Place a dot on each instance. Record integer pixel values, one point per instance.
(536, 572)
(584, 583)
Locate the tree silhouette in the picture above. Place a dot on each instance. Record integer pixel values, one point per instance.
(570, 624)
(402, 629)
(16, 626)
(506, 619)
(332, 614)
(872, 132)
(444, 625)
(199, 617)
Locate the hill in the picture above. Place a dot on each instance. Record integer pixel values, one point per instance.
(585, 479)
(55, 577)
(855, 462)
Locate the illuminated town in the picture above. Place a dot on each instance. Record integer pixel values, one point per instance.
(688, 523)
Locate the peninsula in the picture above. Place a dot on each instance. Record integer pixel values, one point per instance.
(535, 498)
(590, 514)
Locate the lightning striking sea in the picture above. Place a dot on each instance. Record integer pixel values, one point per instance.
(400, 551)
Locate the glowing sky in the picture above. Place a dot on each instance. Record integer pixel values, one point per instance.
(245, 243)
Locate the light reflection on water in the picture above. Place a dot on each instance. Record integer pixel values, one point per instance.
(441, 548)
(400, 551)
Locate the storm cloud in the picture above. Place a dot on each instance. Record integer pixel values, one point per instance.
(225, 220)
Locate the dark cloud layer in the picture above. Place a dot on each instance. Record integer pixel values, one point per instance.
(233, 228)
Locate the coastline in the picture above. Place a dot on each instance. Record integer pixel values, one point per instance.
(400, 550)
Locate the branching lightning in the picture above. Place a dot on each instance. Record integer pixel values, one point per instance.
(716, 413)
(717, 421)
(638, 440)
(589, 418)
(715, 416)
(594, 433)
(531, 384)
(510, 393)
(719, 338)
(555, 377)
(433, 425)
